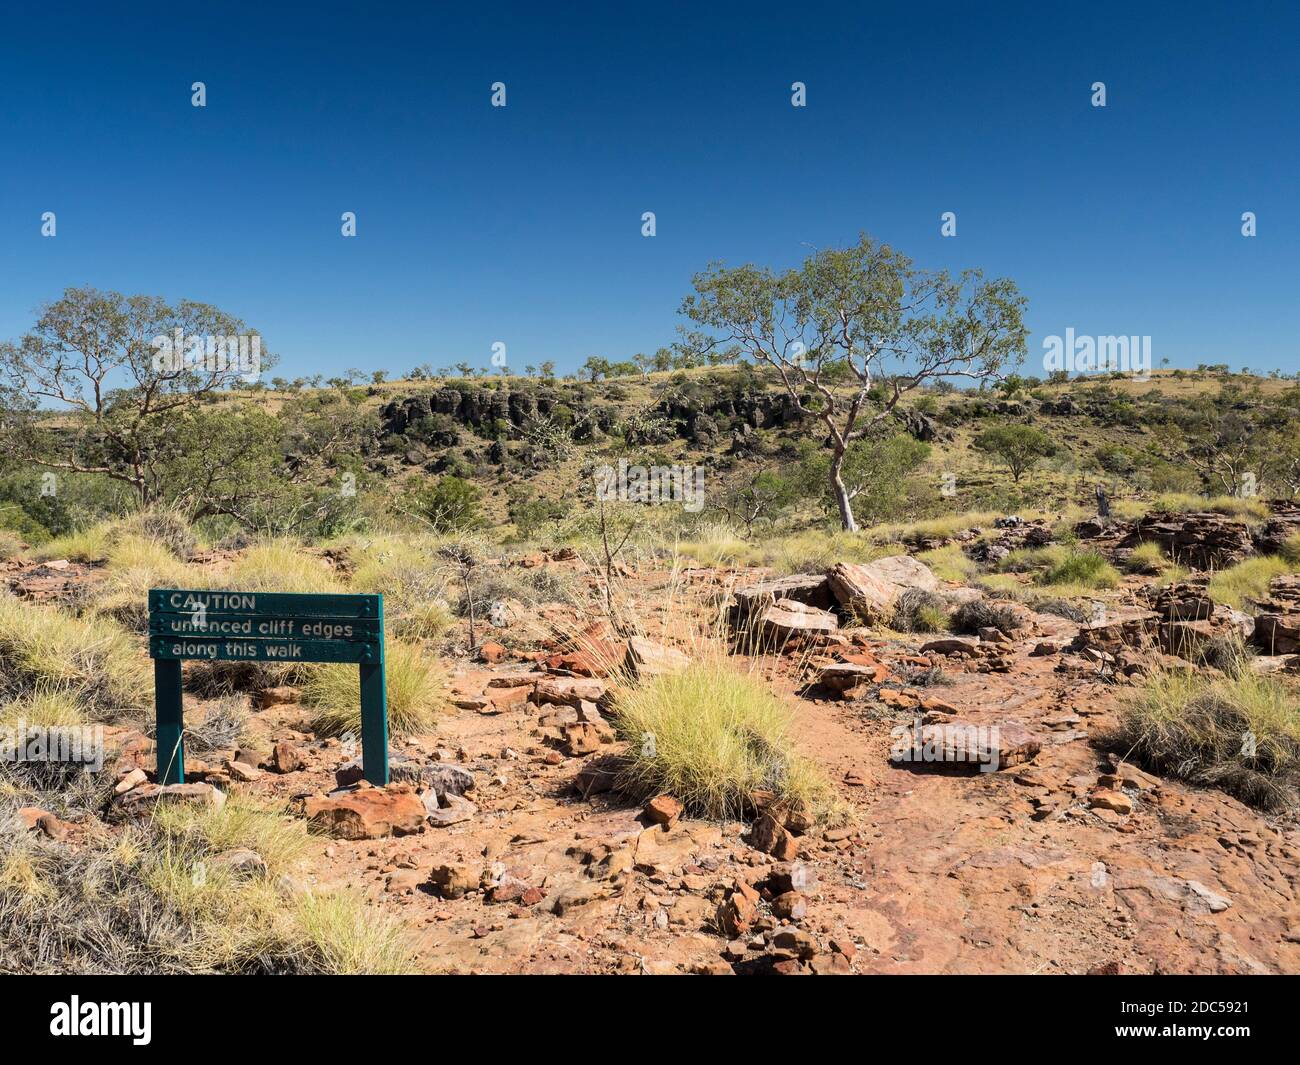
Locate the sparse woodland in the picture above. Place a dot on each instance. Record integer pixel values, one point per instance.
(633, 735)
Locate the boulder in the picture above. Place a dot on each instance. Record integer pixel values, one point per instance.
(646, 659)
(861, 593)
(870, 591)
(359, 812)
(810, 589)
(845, 676)
(568, 691)
(447, 810)
(952, 645)
(454, 880)
(786, 619)
(663, 810)
(772, 837)
(286, 759)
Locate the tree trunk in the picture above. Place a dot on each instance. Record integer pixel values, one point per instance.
(842, 500)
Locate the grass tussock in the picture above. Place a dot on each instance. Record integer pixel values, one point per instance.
(44, 706)
(158, 899)
(1247, 580)
(1240, 733)
(410, 577)
(712, 736)
(1148, 558)
(1082, 569)
(933, 528)
(1244, 507)
(1290, 552)
(136, 565)
(1068, 569)
(950, 564)
(282, 566)
(42, 648)
(91, 544)
(919, 611)
(416, 692)
(11, 545)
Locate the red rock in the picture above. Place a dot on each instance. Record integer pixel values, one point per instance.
(286, 759)
(1116, 801)
(955, 741)
(663, 810)
(646, 659)
(785, 619)
(278, 696)
(368, 813)
(492, 652)
(582, 737)
(568, 691)
(130, 780)
(770, 836)
(845, 676)
(900, 700)
(737, 913)
(790, 905)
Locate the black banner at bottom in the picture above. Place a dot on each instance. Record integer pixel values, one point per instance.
(148, 1014)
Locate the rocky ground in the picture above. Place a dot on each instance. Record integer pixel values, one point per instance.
(500, 844)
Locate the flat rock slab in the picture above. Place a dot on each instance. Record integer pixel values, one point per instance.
(958, 742)
(786, 619)
(368, 813)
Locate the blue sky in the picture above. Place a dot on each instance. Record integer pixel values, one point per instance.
(522, 224)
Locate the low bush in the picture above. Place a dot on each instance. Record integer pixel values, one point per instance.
(416, 692)
(1239, 733)
(919, 611)
(712, 736)
(976, 614)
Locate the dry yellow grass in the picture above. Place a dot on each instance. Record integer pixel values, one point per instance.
(712, 736)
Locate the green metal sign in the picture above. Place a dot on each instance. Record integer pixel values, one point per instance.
(266, 627)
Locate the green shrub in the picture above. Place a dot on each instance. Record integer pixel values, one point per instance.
(712, 736)
(1238, 733)
(416, 692)
(449, 504)
(1084, 569)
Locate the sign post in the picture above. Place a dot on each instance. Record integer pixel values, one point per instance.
(266, 627)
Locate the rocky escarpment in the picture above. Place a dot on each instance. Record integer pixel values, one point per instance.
(700, 419)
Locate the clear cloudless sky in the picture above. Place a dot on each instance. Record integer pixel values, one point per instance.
(523, 224)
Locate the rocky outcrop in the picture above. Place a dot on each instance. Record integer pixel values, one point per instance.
(1181, 621)
(810, 589)
(920, 426)
(646, 659)
(1202, 539)
(868, 592)
(1270, 537)
(1277, 625)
